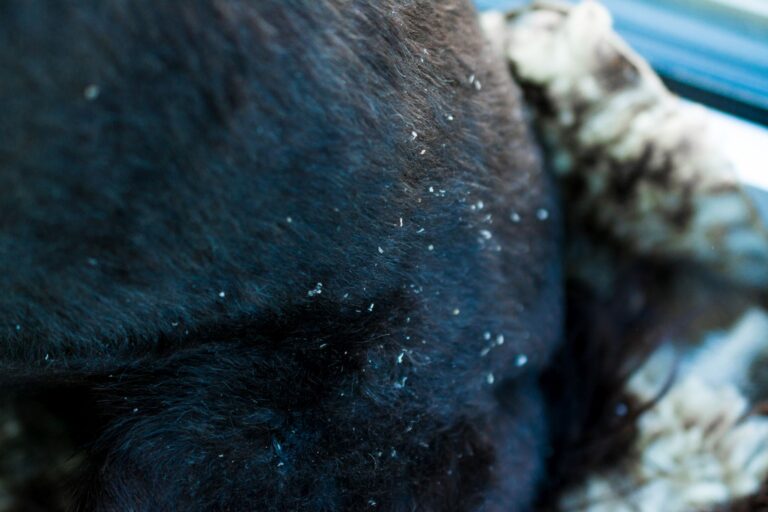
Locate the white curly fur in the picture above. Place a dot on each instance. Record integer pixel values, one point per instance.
(698, 446)
(613, 115)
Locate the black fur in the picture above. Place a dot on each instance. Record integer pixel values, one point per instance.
(177, 178)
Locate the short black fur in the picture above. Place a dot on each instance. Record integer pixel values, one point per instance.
(287, 255)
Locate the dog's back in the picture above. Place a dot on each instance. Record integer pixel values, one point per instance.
(290, 255)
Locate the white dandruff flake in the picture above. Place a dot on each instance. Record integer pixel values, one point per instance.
(91, 92)
(317, 290)
(381, 251)
(430, 247)
(288, 220)
(478, 85)
(456, 312)
(370, 308)
(449, 117)
(486, 234)
(471, 78)
(222, 294)
(500, 339)
(521, 360)
(490, 379)
(135, 409)
(487, 335)
(542, 214)
(400, 357)
(401, 222)
(514, 217)
(423, 151)
(480, 205)
(431, 190)
(414, 135)
(485, 351)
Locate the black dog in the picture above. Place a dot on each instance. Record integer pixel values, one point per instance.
(277, 254)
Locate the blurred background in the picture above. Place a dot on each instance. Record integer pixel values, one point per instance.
(713, 52)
